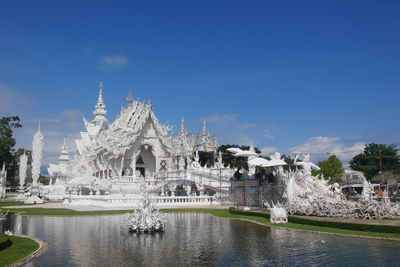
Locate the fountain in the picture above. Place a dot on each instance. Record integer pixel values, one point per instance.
(146, 218)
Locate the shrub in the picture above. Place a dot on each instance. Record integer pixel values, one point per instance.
(248, 213)
(5, 241)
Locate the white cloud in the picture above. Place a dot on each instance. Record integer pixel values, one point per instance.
(265, 151)
(115, 60)
(321, 147)
(220, 117)
(268, 136)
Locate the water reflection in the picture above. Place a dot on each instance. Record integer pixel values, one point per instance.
(194, 239)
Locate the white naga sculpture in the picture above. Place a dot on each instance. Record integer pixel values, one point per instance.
(23, 167)
(37, 154)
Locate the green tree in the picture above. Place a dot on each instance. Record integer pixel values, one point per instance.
(331, 168)
(232, 161)
(7, 143)
(377, 158)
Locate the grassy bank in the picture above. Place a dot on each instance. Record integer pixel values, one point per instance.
(21, 248)
(11, 203)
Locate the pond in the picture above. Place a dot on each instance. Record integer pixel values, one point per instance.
(194, 239)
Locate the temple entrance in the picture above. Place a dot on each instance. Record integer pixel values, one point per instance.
(145, 163)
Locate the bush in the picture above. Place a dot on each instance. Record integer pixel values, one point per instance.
(5, 241)
(248, 213)
(348, 226)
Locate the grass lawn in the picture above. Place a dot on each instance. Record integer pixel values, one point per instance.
(12, 203)
(21, 248)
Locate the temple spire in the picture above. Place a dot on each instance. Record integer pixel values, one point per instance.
(64, 158)
(182, 124)
(204, 128)
(129, 97)
(100, 110)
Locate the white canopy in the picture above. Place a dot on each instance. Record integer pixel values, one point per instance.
(246, 153)
(258, 162)
(234, 150)
(275, 162)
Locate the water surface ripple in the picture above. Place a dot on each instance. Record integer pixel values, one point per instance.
(195, 239)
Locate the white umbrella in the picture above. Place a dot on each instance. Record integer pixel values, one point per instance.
(246, 153)
(258, 162)
(275, 162)
(234, 150)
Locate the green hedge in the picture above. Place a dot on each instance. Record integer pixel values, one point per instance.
(339, 225)
(5, 241)
(348, 226)
(248, 213)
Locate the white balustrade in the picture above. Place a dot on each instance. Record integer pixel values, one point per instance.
(126, 201)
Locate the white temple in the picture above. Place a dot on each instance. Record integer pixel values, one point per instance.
(136, 147)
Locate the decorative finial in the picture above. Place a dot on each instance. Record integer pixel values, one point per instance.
(64, 144)
(129, 98)
(39, 126)
(182, 123)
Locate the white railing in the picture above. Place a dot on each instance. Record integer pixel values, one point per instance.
(126, 201)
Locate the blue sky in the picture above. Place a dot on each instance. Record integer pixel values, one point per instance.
(308, 76)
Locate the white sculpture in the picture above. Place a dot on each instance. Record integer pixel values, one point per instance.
(367, 192)
(307, 165)
(37, 154)
(308, 195)
(278, 214)
(146, 218)
(23, 167)
(3, 177)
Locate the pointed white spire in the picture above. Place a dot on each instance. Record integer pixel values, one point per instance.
(64, 158)
(129, 97)
(64, 146)
(100, 110)
(182, 124)
(37, 154)
(23, 167)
